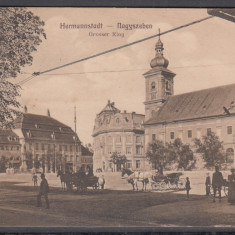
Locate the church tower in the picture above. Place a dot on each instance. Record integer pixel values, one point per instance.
(159, 82)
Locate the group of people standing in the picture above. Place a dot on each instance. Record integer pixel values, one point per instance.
(218, 181)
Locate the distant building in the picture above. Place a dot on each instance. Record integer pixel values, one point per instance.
(10, 149)
(189, 115)
(118, 132)
(47, 143)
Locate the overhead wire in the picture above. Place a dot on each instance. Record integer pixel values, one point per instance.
(111, 50)
(129, 70)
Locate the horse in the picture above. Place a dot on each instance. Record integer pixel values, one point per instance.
(65, 180)
(141, 176)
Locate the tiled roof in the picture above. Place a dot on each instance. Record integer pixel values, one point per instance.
(8, 137)
(86, 152)
(197, 104)
(43, 127)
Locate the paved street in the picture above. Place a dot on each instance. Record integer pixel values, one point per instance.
(107, 208)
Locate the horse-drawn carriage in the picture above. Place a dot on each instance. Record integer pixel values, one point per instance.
(80, 180)
(170, 181)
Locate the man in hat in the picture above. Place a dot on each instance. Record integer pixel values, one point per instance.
(44, 190)
(208, 184)
(217, 182)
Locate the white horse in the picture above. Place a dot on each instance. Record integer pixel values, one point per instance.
(133, 177)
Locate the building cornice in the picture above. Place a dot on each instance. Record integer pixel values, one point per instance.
(187, 120)
(118, 130)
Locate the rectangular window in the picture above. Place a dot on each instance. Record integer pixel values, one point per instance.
(137, 164)
(109, 150)
(71, 148)
(43, 147)
(128, 150)
(229, 130)
(77, 158)
(30, 146)
(129, 139)
(119, 150)
(153, 137)
(71, 158)
(138, 150)
(36, 146)
(172, 134)
(18, 148)
(60, 147)
(129, 164)
(12, 148)
(37, 157)
(138, 139)
(65, 148)
(118, 139)
(66, 158)
(110, 141)
(208, 131)
(189, 133)
(49, 146)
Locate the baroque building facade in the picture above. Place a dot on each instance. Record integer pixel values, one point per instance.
(189, 115)
(120, 132)
(40, 141)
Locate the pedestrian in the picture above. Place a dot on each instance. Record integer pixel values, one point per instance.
(231, 187)
(187, 186)
(35, 179)
(208, 184)
(102, 186)
(44, 190)
(217, 182)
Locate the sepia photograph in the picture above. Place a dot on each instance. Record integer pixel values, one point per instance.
(117, 117)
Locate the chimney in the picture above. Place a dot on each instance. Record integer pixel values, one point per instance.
(25, 109)
(48, 113)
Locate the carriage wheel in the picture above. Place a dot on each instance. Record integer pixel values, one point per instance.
(172, 185)
(181, 184)
(226, 190)
(163, 185)
(155, 186)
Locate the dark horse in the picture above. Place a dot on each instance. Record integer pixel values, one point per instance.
(134, 177)
(66, 180)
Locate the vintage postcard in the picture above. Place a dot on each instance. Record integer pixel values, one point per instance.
(116, 117)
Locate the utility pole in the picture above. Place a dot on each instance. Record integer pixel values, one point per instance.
(75, 146)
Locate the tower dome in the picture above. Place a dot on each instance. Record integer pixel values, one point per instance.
(159, 60)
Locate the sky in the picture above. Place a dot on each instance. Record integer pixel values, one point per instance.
(202, 56)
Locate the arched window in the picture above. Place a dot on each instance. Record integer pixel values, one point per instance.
(229, 155)
(153, 112)
(153, 86)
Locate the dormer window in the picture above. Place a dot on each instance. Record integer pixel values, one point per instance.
(28, 133)
(36, 125)
(9, 138)
(117, 120)
(53, 135)
(60, 128)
